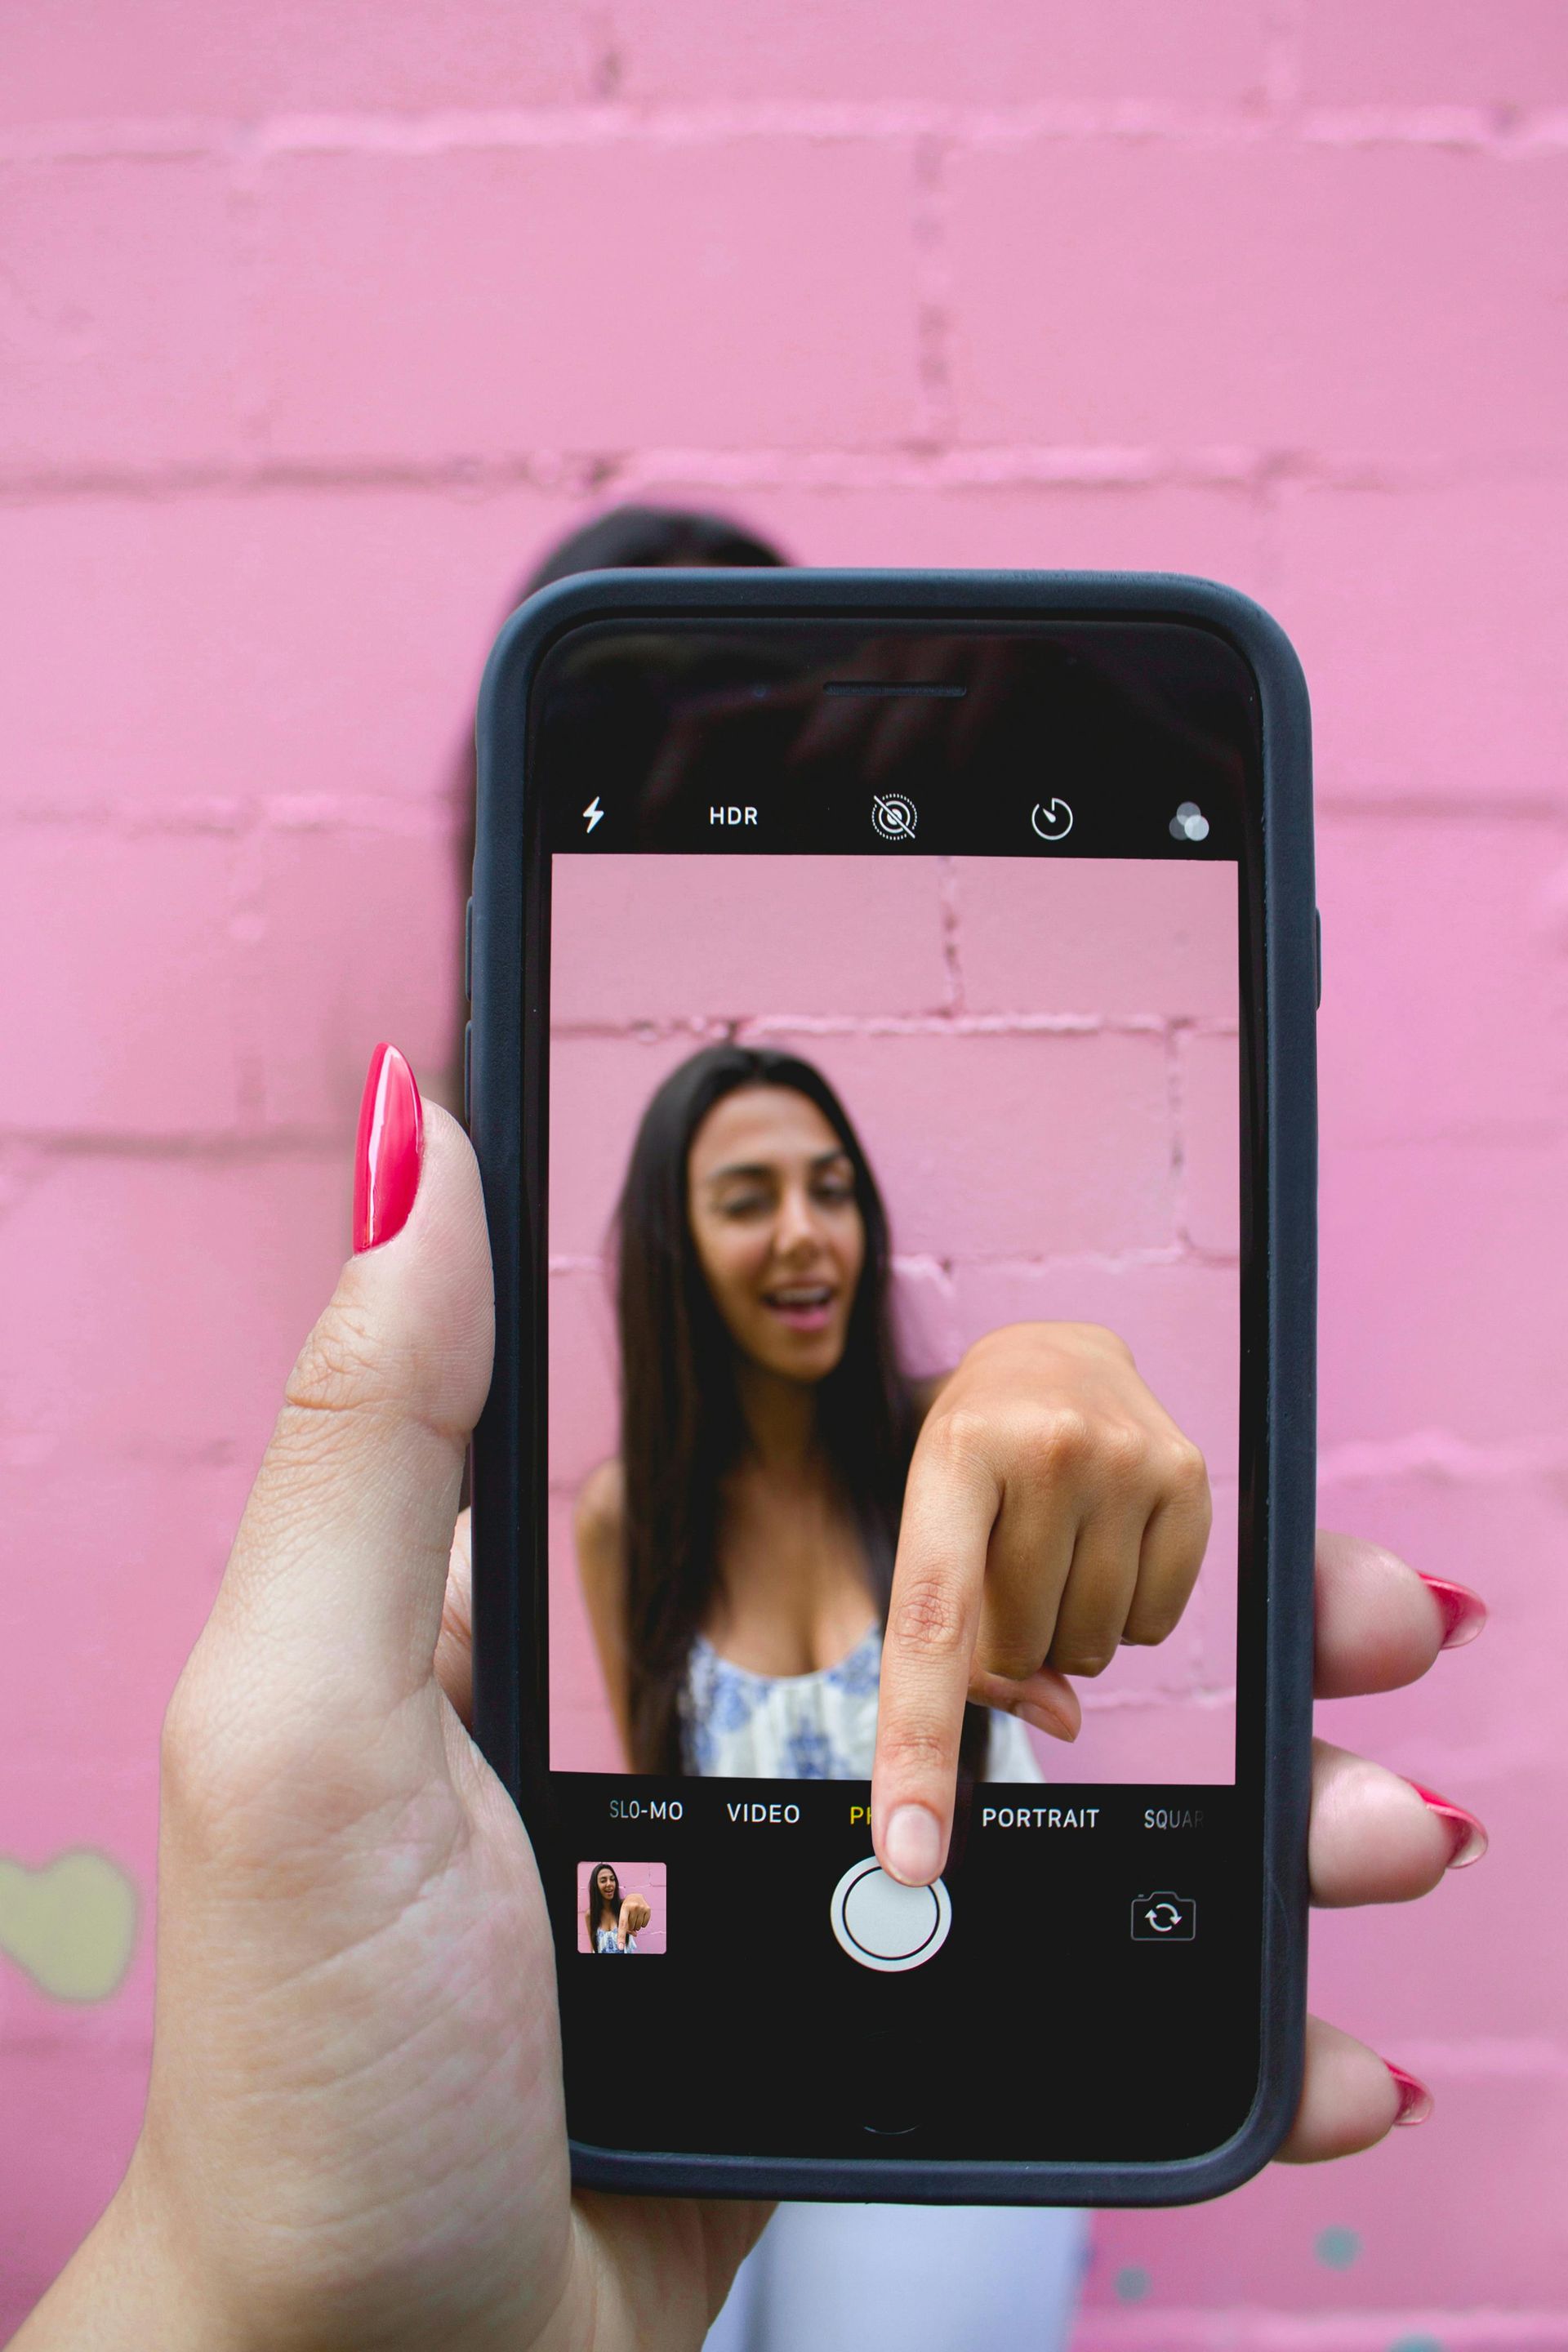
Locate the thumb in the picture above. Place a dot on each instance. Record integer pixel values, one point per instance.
(337, 1574)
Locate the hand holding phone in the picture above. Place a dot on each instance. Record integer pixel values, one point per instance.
(1054, 1511)
(337, 1861)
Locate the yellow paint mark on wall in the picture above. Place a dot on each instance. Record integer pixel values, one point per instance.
(71, 1924)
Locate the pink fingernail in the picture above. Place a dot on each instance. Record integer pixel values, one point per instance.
(388, 1149)
(1468, 1835)
(912, 1845)
(1414, 2098)
(1464, 1612)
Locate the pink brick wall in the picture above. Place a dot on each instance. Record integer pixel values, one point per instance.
(317, 319)
(1040, 1059)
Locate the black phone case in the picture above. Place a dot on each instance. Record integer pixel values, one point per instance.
(506, 1699)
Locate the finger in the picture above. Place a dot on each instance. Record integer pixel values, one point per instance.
(1046, 1700)
(455, 1641)
(340, 1568)
(951, 1504)
(1351, 2098)
(1375, 1838)
(1174, 1542)
(1028, 1559)
(1380, 1624)
(1098, 1593)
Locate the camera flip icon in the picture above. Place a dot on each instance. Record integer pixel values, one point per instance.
(1164, 1918)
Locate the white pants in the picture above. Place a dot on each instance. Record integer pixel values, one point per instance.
(907, 2278)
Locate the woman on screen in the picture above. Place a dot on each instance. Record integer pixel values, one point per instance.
(612, 1918)
(737, 1556)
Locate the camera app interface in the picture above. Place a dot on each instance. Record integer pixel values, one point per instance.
(894, 1277)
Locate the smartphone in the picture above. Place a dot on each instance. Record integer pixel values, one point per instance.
(861, 962)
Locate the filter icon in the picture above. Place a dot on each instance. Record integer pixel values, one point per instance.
(1189, 823)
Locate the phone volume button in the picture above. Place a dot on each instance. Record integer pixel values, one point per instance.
(469, 951)
(467, 1072)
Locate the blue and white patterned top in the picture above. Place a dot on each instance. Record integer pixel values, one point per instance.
(738, 1726)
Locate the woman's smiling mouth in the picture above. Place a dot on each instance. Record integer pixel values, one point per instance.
(803, 1306)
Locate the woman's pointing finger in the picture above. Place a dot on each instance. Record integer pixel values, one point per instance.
(933, 1616)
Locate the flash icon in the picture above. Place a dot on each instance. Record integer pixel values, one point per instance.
(594, 813)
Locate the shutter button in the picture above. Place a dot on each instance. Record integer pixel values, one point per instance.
(885, 1926)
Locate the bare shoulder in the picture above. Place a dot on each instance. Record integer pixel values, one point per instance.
(599, 1520)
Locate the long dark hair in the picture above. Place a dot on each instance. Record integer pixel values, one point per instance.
(653, 539)
(682, 1428)
(596, 1903)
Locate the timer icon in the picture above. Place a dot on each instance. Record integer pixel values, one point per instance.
(1052, 820)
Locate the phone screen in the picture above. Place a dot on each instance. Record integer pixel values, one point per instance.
(889, 986)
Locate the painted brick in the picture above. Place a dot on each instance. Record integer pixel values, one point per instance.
(58, 2175)
(1427, 619)
(1167, 1715)
(583, 1741)
(368, 623)
(73, 63)
(1118, 938)
(57, 1802)
(128, 675)
(584, 1411)
(926, 1317)
(1211, 1141)
(1211, 1614)
(730, 939)
(599, 1088)
(1189, 296)
(1480, 1964)
(1181, 1322)
(1133, 313)
(1488, 1712)
(1443, 1011)
(1157, 1739)
(280, 646)
(427, 306)
(1209, 55)
(1173, 1681)
(112, 1534)
(319, 988)
(122, 314)
(1435, 2229)
(1509, 54)
(1049, 1144)
(1146, 2327)
(121, 951)
(164, 1300)
(1218, 531)
(1434, 1312)
(583, 1735)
